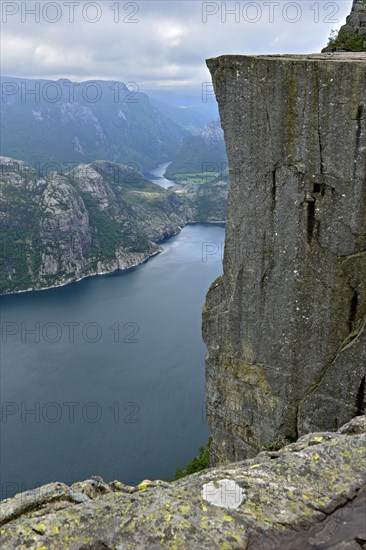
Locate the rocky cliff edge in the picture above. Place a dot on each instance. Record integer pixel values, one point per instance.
(258, 503)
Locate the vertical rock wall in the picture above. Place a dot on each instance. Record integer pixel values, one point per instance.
(285, 325)
(356, 21)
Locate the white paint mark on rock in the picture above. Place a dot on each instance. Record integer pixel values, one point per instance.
(224, 493)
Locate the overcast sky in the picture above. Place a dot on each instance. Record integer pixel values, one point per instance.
(155, 43)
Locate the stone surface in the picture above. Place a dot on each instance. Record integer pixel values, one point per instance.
(285, 325)
(277, 495)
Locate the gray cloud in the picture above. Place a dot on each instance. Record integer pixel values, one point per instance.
(168, 43)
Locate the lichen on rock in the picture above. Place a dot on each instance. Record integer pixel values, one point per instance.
(268, 497)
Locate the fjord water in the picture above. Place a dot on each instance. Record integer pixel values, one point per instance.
(157, 176)
(111, 382)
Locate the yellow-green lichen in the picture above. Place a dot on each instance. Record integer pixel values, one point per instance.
(144, 485)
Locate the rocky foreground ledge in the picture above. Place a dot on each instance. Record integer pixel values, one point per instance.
(276, 500)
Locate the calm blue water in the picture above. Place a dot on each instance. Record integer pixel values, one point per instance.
(111, 381)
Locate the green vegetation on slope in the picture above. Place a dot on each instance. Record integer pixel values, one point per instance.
(201, 462)
(106, 233)
(201, 158)
(347, 41)
(196, 161)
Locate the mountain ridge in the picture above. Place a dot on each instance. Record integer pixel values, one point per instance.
(73, 122)
(201, 157)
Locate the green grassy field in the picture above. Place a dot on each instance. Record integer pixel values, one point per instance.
(196, 177)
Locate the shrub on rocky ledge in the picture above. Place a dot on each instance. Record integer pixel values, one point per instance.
(346, 41)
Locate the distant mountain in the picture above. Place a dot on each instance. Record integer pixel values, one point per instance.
(200, 158)
(189, 117)
(206, 202)
(190, 110)
(45, 121)
(57, 228)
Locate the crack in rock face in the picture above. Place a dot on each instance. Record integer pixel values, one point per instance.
(284, 325)
(224, 493)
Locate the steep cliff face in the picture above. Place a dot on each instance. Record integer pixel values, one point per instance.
(285, 325)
